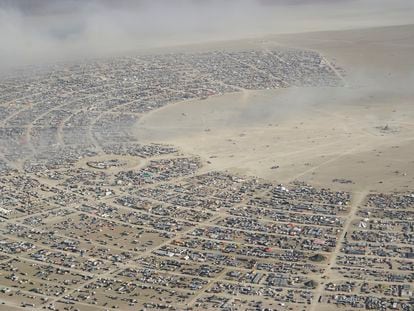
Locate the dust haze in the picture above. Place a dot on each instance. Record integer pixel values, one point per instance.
(33, 32)
(206, 154)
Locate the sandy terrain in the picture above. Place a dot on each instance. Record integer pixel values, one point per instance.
(363, 132)
(127, 231)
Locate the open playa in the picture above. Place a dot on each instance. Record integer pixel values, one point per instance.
(147, 165)
(362, 132)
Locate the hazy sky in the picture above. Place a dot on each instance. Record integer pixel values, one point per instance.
(35, 30)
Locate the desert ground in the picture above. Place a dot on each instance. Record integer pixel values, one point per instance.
(153, 181)
(362, 132)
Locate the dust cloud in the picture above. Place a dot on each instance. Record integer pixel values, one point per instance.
(33, 32)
